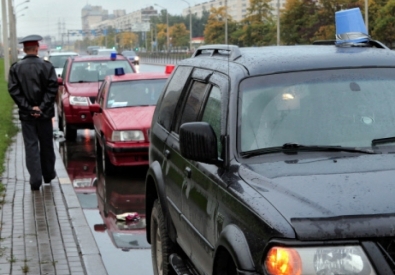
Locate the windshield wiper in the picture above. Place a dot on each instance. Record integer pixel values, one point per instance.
(383, 140)
(294, 148)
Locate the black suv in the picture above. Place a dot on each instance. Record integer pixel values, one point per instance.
(275, 160)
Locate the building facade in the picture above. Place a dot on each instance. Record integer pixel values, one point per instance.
(235, 8)
(133, 21)
(91, 15)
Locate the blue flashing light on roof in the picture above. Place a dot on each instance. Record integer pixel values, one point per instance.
(119, 71)
(113, 56)
(350, 27)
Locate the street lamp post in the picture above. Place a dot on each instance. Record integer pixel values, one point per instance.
(167, 28)
(226, 22)
(5, 39)
(190, 25)
(366, 16)
(12, 29)
(278, 22)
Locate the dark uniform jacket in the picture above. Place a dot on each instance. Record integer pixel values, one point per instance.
(33, 82)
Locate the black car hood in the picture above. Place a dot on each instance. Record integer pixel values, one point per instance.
(330, 199)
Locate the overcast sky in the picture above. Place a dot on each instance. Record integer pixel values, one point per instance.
(43, 16)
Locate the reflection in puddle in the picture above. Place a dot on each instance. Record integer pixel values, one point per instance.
(120, 193)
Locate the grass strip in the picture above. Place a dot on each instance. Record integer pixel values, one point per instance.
(7, 127)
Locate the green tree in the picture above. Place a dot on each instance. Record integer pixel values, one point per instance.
(161, 35)
(384, 25)
(258, 28)
(179, 35)
(214, 33)
(298, 22)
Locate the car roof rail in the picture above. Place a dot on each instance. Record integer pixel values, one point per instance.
(232, 51)
(369, 43)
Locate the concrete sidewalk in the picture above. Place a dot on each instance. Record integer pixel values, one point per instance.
(43, 232)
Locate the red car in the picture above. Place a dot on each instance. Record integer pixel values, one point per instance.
(79, 83)
(122, 117)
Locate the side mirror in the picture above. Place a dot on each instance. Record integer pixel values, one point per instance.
(95, 108)
(60, 81)
(198, 142)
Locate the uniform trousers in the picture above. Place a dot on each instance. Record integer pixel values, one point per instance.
(39, 149)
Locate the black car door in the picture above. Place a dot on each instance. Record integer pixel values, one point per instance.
(199, 181)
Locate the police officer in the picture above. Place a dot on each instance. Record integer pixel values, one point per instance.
(32, 84)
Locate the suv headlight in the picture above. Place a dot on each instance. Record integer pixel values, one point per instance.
(341, 260)
(79, 100)
(136, 58)
(127, 136)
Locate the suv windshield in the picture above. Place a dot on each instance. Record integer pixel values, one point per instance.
(347, 108)
(92, 71)
(135, 93)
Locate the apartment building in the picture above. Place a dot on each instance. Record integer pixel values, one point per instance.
(120, 19)
(235, 8)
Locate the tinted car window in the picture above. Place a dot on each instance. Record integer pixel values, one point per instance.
(102, 92)
(91, 71)
(65, 70)
(172, 94)
(135, 93)
(337, 107)
(212, 113)
(193, 103)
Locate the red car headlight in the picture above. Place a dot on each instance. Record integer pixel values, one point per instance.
(78, 101)
(127, 136)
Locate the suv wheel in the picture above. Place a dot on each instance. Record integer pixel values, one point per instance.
(69, 133)
(161, 245)
(225, 265)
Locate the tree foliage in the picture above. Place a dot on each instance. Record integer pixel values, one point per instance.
(258, 28)
(384, 25)
(301, 22)
(214, 32)
(179, 35)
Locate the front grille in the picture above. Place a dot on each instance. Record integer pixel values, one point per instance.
(92, 99)
(387, 247)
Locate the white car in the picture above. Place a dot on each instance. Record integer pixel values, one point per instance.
(58, 59)
(104, 52)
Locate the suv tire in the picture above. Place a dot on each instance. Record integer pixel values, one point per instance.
(161, 245)
(225, 265)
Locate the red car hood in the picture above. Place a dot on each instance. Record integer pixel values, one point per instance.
(130, 117)
(84, 89)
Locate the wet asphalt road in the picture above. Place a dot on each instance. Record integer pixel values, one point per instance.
(123, 245)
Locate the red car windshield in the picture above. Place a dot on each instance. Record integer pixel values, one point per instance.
(93, 71)
(135, 93)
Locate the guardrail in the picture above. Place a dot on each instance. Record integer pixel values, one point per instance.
(162, 58)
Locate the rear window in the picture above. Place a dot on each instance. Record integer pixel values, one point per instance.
(93, 71)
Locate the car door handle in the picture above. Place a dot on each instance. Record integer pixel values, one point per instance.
(188, 172)
(167, 154)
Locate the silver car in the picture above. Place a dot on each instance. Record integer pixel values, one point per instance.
(58, 59)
